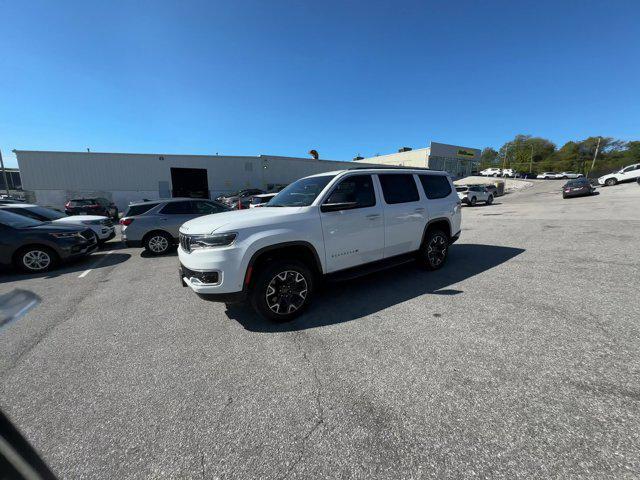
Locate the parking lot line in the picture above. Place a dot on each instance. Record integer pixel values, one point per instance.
(86, 272)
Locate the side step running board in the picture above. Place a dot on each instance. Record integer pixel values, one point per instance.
(362, 270)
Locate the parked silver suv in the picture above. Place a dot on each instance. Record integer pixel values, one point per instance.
(154, 224)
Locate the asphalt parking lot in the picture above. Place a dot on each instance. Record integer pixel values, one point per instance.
(519, 359)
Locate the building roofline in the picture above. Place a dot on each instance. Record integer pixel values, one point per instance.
(256, 157)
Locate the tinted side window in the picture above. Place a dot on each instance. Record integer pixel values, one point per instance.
(358, 189)
(139, 209)
(435, 186)
(399, 188)
(177, 208)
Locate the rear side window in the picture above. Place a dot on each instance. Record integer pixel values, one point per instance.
(178, 208)
(139, 209)
(399, 188)
(435, 186)
(82, 202)
(358, 189)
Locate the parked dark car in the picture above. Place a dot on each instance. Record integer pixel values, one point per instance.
(9, 201)
(577, 188)
(526, 175)
(91, 206)
(242, 197)
(34, 246)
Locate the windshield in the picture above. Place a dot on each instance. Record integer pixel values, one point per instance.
(81, 202)
(17, 221)
(45, 213)
(301, 193)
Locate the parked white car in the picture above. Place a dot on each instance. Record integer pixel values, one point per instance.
(548, 175)
(102, 226)
(569, 175)
(261, 200)
(631, 172)
(491, 172)
(332, 223)
(472, 194)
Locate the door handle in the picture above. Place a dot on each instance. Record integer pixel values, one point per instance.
(373, 216)
(420, 210)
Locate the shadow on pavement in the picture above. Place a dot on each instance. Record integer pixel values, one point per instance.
(96, 260)
(341, 302)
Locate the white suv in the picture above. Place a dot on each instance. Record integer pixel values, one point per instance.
(631, 172)
(491, 172)
(327, 224)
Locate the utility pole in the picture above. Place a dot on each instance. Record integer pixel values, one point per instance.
(531, 159)
(593, 163)
(4, 174)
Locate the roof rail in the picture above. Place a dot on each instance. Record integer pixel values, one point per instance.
(389, 167)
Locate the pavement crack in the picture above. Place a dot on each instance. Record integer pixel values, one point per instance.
(320, 418)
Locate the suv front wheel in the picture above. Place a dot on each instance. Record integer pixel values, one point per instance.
(283, 290)
(434, 250)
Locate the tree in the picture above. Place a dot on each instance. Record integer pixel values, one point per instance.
(488, 158)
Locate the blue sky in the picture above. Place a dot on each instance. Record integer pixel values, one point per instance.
(343, 77)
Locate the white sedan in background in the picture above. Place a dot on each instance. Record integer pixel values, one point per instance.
(102, 226)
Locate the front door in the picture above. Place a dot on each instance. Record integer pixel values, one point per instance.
(352, 224)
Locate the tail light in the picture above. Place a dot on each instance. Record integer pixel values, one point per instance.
(67, 205)
(239, 204)
(126, 221)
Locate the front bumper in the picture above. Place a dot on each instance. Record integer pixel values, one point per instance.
(213, 271)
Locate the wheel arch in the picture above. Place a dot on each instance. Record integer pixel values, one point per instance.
(22, 248)
(442, 223)
(299, 250)
(146, 236)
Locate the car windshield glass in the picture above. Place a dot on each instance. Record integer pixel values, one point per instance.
(301, 193)
(17, 221)
(47, 213)
(82, 202)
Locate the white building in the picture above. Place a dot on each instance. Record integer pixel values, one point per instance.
(456, 160)
(52, 178)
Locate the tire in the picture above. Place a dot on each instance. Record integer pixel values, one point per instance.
(158, 243)
(473, 201)
(434, 250)
(36, 259)
(283, 290)
(610, 182)
(489, 200)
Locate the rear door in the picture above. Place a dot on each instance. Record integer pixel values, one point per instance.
(174, 214)
(354, 233)
(405, 216)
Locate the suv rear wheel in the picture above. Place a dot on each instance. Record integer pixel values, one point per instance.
(283, 290)
(490, 200)
(610, 182)
(36, 259)
(434, 250)
(158, 243)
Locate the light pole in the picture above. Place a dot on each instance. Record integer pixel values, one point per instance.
(4, 174)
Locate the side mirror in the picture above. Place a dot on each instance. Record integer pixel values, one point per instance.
(335, 207)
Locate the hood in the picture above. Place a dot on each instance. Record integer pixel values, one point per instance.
(80, 218)
(50, 227)
(238, 219)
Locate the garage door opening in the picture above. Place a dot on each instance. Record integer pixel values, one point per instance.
(189, 182)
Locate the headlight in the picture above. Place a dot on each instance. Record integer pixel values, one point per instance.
(67, 235)
(92, 222)
(212, 241)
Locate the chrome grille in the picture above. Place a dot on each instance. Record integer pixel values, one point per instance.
(185, 242)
